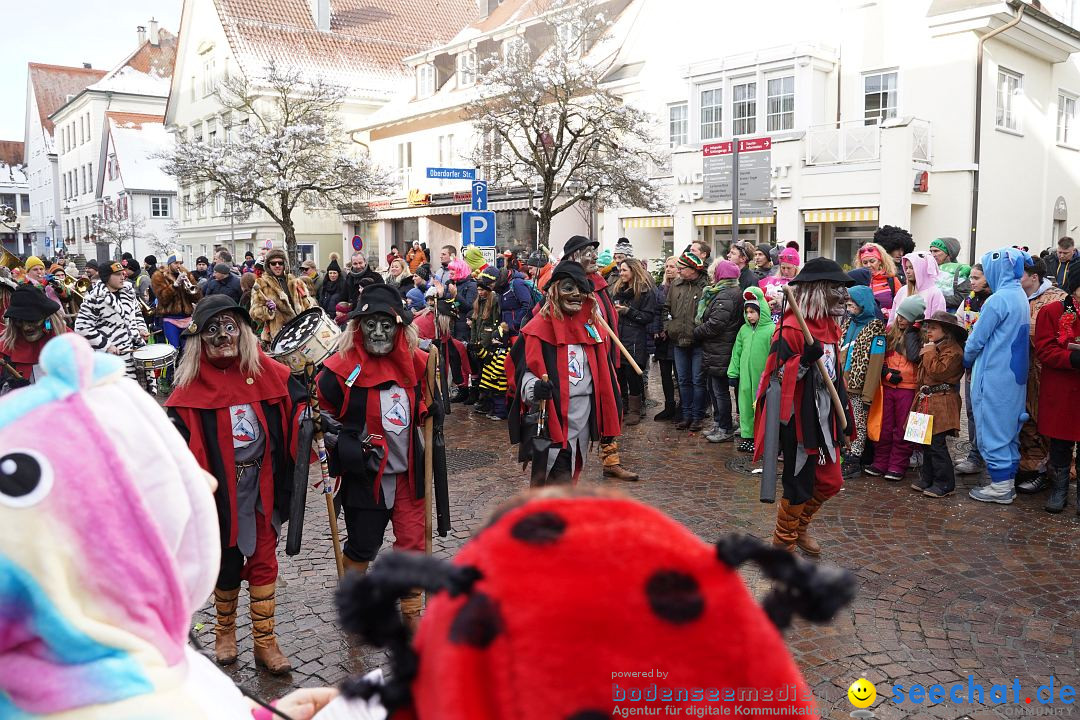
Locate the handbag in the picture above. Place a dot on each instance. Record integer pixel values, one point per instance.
(873, 420)
(920, 425)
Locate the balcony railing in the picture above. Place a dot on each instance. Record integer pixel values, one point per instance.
(854, 142)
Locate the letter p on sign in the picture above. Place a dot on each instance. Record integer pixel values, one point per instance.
(478, 228)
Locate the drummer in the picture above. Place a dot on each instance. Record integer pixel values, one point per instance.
(110, 318)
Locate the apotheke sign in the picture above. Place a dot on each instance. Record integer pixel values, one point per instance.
(689, 187)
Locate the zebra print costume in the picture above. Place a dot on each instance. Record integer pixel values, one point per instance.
(112, 318)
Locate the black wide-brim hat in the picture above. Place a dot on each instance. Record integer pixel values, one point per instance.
(572, 270)
(211, 306)
(823, 270)
(380, 298)
(576, 243)
(30, 304)
(951, 323)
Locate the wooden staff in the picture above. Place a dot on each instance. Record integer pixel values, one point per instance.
(429, 445)
(809, 338)
(327, 483)
(618, 343)
(11, 369)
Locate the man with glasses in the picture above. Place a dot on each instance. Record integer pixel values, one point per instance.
(278, 296)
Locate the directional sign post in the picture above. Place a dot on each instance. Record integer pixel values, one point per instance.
(479, 194)
(478, 228)
(739, 172)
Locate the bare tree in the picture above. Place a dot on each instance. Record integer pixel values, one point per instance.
(118, 230)
(545, 120)
(286, 148)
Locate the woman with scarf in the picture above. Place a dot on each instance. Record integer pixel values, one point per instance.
(717, 323)
(664, 350)
(862, 352)
(921, 271)
(878, 271)
(562, 362)
(333, 288)
(635, 301)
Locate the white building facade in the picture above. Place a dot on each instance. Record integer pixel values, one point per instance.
(14, 194)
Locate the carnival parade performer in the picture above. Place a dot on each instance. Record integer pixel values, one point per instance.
(565, 342)
(375, 385)
(232, 404)
(811, 438)
(278, 296)
(110, 319)
(177, 292)
(30, 321)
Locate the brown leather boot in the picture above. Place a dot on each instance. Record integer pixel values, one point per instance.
(267, 653)
(225, 629)
(806, 543)
(609, 453)
(411, 605)
(633, 411)
(787, 525)
(350, 564)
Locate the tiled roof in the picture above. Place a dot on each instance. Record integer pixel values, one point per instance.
(147, 71)
(53, 83)
(367, 38)
(11, 152)
(157, 59)
(133, 120)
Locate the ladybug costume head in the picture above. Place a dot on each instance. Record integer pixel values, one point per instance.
(560, 592)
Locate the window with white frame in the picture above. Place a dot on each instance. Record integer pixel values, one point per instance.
(91, 180)
(1010, 86)
(446, 150)
(881, 96)
(780, 104)
(744, 108)
(404, 155)
(209, 77)
(425, 80)
(678, 124)
(159, 206)
(1066, 119)
(466, 69)
(712, 103)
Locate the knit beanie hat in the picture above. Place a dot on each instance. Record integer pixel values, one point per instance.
(725, 270)
(948, 245)
(604, 258)
(790, 256)
(623, 247)
(32, 262)
(912, 308)
(692, 261)
(474, 258)
(333, 266)
(766, 250)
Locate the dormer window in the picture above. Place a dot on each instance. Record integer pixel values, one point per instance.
(466, 69)
(425, 80)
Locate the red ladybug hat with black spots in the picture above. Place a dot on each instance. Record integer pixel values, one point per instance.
(549, 610)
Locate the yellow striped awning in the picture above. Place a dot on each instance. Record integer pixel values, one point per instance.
(656, 221)
(841, 215)
(725, 219)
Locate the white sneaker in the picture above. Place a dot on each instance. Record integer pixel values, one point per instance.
(1002, 492)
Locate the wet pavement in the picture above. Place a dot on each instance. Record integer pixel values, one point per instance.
(949, 589)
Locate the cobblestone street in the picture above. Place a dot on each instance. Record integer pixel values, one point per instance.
(947, 588)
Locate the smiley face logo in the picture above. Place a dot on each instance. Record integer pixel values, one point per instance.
(862, 693)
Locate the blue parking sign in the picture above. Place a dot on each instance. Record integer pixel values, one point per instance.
(479, 195)
(478, 228)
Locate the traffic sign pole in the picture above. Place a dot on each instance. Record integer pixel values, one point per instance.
(735, 193)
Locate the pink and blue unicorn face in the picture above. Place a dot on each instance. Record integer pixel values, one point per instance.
(108, 537)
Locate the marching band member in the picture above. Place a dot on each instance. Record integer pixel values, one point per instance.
(232, 405)
(110, 319)
(278, 296)
(176, 293)
(375, 386)
(30, 321)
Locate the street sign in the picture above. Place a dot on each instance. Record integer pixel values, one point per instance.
(357, 243)
(478, 228)
(489, 255)
(756, 208)
(479, 195)
(48, 241)
(451, 173)
(269, 244)
(754, 170)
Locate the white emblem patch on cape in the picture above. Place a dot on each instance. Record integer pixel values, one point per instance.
(395, 409)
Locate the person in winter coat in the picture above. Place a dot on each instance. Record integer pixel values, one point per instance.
(997, 350)
(1057, 346)
(881, 276)
(680, 309)
(862, 356)
(921, 270)
(515, 298)
(717, 323)
(247, 284)
(416, 256)
(952, 277)
(333, 288)
(176, 291)
(896, 242)
(360, 275)
(223, 282)
(465, 295)
(901, 381)
(968, 315)
(1064, 262)
(663, 349)
(748, 358)
(772, 285)
(635, 301)
(278, 296)
(486, 317)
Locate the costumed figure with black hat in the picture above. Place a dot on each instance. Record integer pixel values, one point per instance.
(375, 385)
(110, 319)
(565, 344)
(176, 291)
(811, 427)
(278, 296)
(30, 320)
(583, 251)
(237, 410)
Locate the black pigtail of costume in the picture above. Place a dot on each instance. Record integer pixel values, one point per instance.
(367, 605)
(811, 590)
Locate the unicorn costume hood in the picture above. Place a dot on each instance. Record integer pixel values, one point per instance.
(926, 272)
(104, 553)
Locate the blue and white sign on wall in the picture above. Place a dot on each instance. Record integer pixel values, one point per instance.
(357, 243)
(451, 173)
(479, 194)
(478, 228)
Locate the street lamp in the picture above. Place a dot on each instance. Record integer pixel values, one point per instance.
(52, 233)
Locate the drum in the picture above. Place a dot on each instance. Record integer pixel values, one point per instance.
(158, 356)
(307, 338)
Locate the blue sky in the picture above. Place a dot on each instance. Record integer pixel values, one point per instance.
(69, 32)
